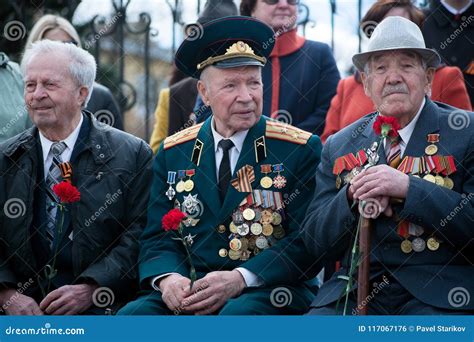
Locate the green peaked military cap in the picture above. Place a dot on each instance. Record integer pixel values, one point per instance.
(227, 42)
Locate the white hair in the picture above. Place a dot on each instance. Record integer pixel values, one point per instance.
(82, 66)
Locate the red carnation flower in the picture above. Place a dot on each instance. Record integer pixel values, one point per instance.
(66, 192)
(387, 126)
(172, 219)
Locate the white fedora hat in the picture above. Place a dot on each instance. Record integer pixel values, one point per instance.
(396, 33)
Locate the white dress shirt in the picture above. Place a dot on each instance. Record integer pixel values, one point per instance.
(454, 10)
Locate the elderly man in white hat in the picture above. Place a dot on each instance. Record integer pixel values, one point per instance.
(420, 179)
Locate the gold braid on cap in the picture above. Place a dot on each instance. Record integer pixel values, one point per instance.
(239, 49)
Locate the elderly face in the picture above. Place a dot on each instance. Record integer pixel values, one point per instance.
(280, 16)
(397, 82)
(53, 97)
(235, 96)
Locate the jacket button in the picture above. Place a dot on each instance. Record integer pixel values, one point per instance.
(98, 147)
(101, 155)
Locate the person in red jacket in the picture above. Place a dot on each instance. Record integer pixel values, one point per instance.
(350, 103)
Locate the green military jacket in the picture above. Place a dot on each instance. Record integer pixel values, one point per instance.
(256, 227)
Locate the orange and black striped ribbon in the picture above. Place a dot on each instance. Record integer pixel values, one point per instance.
(66, 171)
(245, 176)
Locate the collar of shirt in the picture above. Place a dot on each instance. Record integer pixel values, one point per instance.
(66, 155)
(238, 139)
(406, 132)
(454, 10)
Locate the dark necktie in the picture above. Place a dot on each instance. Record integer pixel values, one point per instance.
(224, 168)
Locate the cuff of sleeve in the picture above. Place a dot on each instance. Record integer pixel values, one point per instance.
(250, 278)
(155, 279)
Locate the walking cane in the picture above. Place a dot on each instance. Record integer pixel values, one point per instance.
(364, 267)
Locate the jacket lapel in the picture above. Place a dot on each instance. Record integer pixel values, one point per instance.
(205, 177)
(247, 157)
(428, 122)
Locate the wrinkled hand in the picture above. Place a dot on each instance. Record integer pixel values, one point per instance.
(379, 181)
(174, 289)
(68, 300)
(212, 292)
(15, 303)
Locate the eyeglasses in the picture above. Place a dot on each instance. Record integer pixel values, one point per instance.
(274, 2)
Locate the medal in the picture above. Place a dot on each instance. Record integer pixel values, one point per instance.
(338, 182)
(418, 245)
(267, 217)
(339, 166)
(406, 246)
(256, 228)
(243, 229)
(267, 229)
(248, 214)
(278, 232)
(430, 178)
(221, 229)
(439, 180)
(222, 252)
(233, 228)
(448, 183)
(180, 185)
(266, 182)
(432, 244)
(234, 255)
(170, 193)
(276, 218)
(432, 149)
(189, 184)
(235, 244)
(191, 206)
(279, 181)
(238, 217)
(245, 244)
(261, 242)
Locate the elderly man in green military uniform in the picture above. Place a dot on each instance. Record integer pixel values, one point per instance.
(243, 181)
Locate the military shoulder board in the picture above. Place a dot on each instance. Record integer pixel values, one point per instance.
(182, 136)
(282, 131)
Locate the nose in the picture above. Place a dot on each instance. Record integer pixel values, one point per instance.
(39, 93)
(394, 76)
(245, 94)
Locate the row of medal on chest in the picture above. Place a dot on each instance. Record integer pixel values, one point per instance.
(251, 231)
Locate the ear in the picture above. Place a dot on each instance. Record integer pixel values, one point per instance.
(429, 80)
(203, 92)
(83, 93)
(364, 79)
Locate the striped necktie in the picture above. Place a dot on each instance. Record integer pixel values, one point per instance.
(53, 177)
(394, 154)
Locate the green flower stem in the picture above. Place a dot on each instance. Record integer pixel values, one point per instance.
(192, 272)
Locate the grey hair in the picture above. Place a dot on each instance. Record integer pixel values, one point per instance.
(369, 61)
(82, 66)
